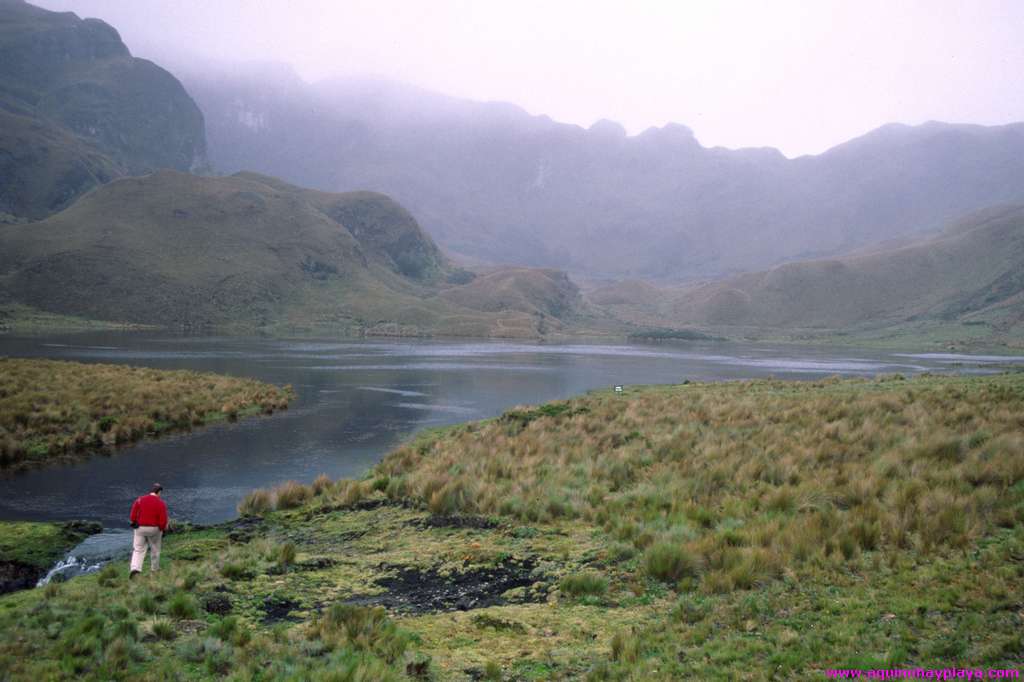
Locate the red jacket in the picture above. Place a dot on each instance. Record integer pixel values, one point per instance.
(150, 510)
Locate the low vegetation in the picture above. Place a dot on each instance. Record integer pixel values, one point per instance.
(51, 408)
(28, 549)
(754, 530)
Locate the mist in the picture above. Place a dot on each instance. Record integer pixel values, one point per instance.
(798, 76)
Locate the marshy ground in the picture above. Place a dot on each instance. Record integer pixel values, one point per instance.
(746, 530)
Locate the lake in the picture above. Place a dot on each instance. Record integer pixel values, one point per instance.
(359, 399)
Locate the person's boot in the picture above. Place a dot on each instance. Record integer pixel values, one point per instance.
(132, 575)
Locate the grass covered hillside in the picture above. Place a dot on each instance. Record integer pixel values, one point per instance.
(51, 408)
(972, 269)
(747, 530)
(76, 110)
(962, 285)
(249, 252)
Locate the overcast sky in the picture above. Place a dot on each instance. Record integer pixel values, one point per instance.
(798, 75)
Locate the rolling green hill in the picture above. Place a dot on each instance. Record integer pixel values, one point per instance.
(250, 252)
(964, 282)
(77, 110)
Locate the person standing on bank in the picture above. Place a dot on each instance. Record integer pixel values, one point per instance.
(149, 519)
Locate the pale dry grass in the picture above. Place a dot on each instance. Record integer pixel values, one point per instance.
(50, 408)
(732, 483)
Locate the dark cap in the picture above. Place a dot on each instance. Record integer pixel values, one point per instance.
(156, 488)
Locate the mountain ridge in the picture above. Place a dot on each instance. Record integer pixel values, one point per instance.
(493, 183)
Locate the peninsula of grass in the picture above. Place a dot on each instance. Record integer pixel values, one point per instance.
(750, 530)
(51, 409)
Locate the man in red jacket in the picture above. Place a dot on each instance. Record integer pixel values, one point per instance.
(149, 519)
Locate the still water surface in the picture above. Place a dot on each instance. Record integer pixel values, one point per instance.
(358, 399)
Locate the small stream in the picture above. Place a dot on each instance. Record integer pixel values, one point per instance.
(90, 555)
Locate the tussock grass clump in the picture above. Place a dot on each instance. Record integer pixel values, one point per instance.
(586, 583)
(256, 503)
(286, 554)
(361, 628)
(236, 568)
(669, 562)
(51, 408)
(321, 484)
(288, 495)
(182, 606)
(163, 630)
(291, 494)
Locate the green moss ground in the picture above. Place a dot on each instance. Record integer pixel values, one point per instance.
(38, 544)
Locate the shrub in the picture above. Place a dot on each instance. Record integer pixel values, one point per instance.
(453, 497)
(350, 493)
(689, 612)
(182, 606)
(286, 554)
(256, 503)
(585, 583)
(225, 628)
(492, 671)
(397, 488)
(127, 629)
(361, 628)
(625, 647)
(942, 449)
(162, 629)
(118, 653)
(321, 484)
(148, 603)
(669, 562)
(234, 570)
(108, 575)
(291, 494)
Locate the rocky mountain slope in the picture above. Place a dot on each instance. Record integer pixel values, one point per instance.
(493, 183)
(77, 110)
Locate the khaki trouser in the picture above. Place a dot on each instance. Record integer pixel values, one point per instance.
(146, 537)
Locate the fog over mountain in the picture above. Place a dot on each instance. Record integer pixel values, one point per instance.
(800, 76)
(491, 182)
(486, 219)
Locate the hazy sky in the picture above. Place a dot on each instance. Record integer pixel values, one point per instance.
(798, 75)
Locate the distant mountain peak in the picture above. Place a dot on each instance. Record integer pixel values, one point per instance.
(608, 129)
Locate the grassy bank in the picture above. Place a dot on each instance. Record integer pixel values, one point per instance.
(17, 318)
(51, 409)
(750, 530)
(28, 549)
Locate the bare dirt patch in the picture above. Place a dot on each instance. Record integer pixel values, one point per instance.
(415, 590)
